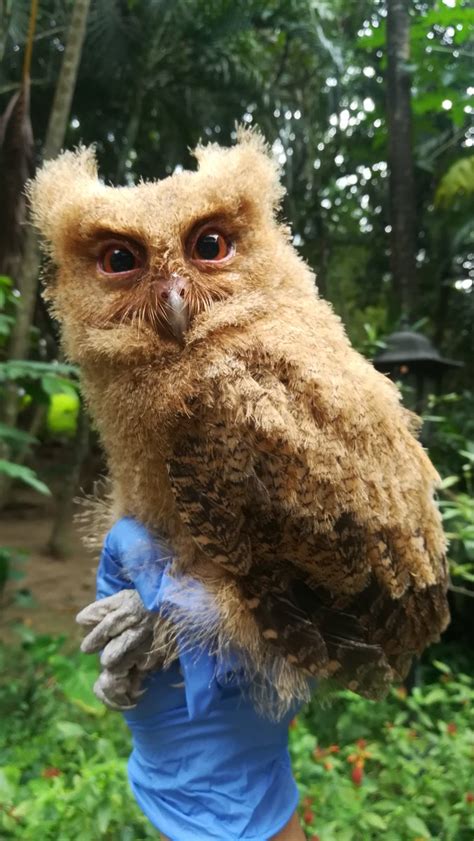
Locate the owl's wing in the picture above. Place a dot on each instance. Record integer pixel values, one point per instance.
(216, 477)
(278, 498)
(210, 470)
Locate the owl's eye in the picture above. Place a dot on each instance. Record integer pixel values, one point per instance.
(119, 259)
(211, 246)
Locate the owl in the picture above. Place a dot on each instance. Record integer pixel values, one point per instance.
(241, 426)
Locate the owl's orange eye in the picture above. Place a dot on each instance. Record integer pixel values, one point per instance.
(119, 259)
(211, 246)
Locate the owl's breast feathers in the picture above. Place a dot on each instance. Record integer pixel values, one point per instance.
(305, 484)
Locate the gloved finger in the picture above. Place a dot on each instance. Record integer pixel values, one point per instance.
(112, 626)
(95, 612)
(117, 692)
(132, 643)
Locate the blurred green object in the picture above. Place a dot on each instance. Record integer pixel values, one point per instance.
(63, 413)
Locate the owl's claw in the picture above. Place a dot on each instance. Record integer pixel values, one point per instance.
(119, 692)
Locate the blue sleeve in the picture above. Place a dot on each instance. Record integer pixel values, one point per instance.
(132, 559)
(110, 576)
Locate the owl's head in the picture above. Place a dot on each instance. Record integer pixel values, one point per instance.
(161, 256)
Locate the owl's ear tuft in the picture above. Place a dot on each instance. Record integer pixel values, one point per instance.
(56, 184)
(249, 164)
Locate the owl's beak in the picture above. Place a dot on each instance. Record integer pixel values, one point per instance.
(173, 294)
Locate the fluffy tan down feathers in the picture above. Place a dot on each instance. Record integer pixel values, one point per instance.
(276, 461)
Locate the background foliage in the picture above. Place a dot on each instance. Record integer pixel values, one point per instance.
(400, 769)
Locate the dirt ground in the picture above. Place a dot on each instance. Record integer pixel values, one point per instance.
(58, 588)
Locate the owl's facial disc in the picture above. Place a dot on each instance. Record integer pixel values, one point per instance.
(147, 290)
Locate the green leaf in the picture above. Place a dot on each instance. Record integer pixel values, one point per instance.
(70, 730)
(18, 436)
(416, 825)
(457, 182)
(6, 323)
(77, 687)
(372, 819)
(9, 777)
(53, 385)
(23, 474)
(449, 481)
(373, 41)
(104, 816)
(16, 369)
(442, 667)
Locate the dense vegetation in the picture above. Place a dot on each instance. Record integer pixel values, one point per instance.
(147, 81)
(401, 769)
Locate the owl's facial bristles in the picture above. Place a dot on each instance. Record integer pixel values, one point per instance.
(170, 316)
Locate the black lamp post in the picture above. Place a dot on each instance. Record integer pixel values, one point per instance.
(412, 359)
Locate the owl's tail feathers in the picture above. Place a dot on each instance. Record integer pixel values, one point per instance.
(404, 627)
(322, 640)
(362, 644)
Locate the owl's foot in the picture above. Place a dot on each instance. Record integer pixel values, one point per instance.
(122, 628)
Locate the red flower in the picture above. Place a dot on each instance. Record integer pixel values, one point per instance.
(308, 816)
(361, 743)
(293, 723)
(315, 838)
(307, 801)
(357, 775)
(334, 749)
(452, 728)
(51, 772)
(470, 797)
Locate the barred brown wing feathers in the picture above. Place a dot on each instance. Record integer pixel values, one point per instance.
(208, 476)
(333, 593)
(317, 636)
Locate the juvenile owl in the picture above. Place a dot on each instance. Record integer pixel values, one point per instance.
(239, 423)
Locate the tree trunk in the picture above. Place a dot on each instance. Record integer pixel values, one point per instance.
(67, 80)
(29, 272)
(400, 155)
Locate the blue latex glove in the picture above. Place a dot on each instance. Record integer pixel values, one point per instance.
(205, 765)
